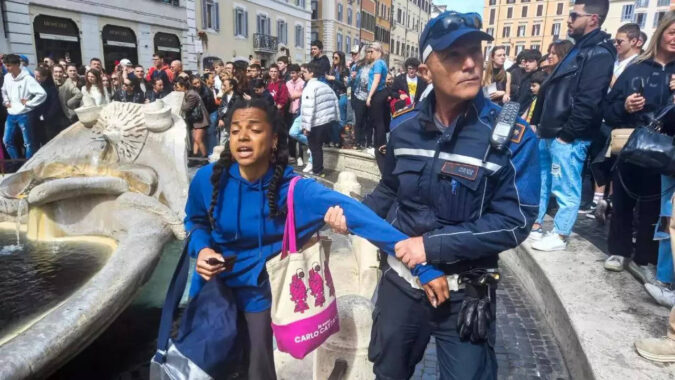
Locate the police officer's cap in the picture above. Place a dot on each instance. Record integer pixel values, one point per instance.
(443, 30)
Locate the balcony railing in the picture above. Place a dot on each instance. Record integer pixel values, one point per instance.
(265, 43)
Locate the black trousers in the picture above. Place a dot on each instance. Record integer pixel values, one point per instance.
(403, 323)
(363, 129)
(631, 185)
(381, 118)
(317, 136)
(261, 349)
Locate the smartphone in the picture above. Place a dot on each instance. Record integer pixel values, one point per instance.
(638, 86)
(228, 262)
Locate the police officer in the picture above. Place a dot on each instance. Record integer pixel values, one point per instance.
(461, 199)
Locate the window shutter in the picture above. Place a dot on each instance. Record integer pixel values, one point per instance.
(245, 23)
(216, 10)
(204, 12)
(236, 21)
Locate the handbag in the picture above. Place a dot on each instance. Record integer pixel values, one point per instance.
(304, 308)
(210, 342)
(618, 139)
(648, 148)
(195, 115)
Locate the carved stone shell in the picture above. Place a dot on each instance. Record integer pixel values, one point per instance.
(122, 125)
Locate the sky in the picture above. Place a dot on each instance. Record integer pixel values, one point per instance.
(463, 5)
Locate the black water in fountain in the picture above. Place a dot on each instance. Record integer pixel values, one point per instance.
(34, 277)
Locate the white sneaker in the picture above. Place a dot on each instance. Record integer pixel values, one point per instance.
(662, 295)
(307, 168)
(615, 263)
(644, 273)
(536, 235)
(549, 243)
(300, 162)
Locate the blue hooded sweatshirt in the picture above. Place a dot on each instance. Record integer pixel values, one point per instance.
(244, 228)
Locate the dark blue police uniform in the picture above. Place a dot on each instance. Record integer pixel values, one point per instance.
(469, 202)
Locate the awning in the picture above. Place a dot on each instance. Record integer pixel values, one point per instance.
(113, 35)
(56, 28)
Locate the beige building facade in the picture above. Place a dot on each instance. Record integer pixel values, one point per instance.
(408, 20)
(521, 24)
(259, 29)
(336, 23)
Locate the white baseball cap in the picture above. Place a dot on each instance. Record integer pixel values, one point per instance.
(125, 62)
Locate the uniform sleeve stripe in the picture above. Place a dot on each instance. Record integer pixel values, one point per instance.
(428, 153)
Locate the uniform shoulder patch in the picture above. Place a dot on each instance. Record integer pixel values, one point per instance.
(518, 133)
(403, 111)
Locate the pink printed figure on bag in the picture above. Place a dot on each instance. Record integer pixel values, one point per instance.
(316, 285)
(299, 292)
(329, 280)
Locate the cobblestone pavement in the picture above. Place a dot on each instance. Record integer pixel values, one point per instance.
(526, 348)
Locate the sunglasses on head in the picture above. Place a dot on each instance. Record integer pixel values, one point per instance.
(453, 21)
(574, 15)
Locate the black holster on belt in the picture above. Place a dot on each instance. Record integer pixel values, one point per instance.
(478, 308)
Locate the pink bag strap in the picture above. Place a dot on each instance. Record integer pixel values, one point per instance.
(289, 243)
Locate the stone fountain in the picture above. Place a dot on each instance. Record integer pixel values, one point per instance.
(121, 173)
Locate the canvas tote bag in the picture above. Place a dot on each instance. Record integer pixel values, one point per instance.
(304, 308)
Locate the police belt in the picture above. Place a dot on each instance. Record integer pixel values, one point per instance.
(453, 279)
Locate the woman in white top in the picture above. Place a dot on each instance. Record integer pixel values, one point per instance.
(93, 92)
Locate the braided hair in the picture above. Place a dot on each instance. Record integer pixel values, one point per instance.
(279, 156)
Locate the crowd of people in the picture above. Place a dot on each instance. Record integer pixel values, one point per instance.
(570, 99)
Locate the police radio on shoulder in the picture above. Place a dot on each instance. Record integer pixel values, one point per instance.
(503, 130)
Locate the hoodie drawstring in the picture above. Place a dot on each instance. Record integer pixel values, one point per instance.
(261, 225)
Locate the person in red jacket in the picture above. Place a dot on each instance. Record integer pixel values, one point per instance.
(160, 70)
(277, 88)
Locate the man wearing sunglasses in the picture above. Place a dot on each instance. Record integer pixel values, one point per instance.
(568, 116)
(460, 199)
(627, 48)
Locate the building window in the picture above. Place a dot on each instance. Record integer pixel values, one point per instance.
(398, 48)
(299, 36)
(263, 24)
(641, 19)
(493, 2)
(535, 46)
(627, 12)
(398, 15)
(555, 29)
(642, 4)
(519, 48)
(510, 1)
(508, 50)
(358, 19)
(521, 31)
(315, 9)
(210, 15)
(300, 3)
(348, 44)
(509, 12)
(490, 31)
(663, 3)
(523, 12)
(536, 29)
(492, 16)
(339, 12)
(657, 18)
(506, 32)
(349, 16)
(559, 9)
(282, 31)
(240, 22)
(339, 42)
(540, 10)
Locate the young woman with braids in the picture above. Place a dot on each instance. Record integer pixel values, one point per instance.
(236, 207)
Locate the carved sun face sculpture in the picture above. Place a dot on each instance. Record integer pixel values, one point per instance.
(122, 125)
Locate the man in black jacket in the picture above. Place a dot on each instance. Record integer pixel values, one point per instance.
(412, 85)
(530, 60)
(319, 58)
(568, 115)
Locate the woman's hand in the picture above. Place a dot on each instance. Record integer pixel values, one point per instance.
(506, 98)
(368, 101)
(330, 77)
(672, 82)
(246, 97)
(634, 103)
(335, 218)
(221, 124)
(497, 94)
(204, 269)
(437, 291)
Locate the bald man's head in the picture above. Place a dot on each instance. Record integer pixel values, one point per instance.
(176, 66)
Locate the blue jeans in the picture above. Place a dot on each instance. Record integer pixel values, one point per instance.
(22, 122)
(561, 166)
(664, 266)
(296, 131)
(212, 138)
(337, 128)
